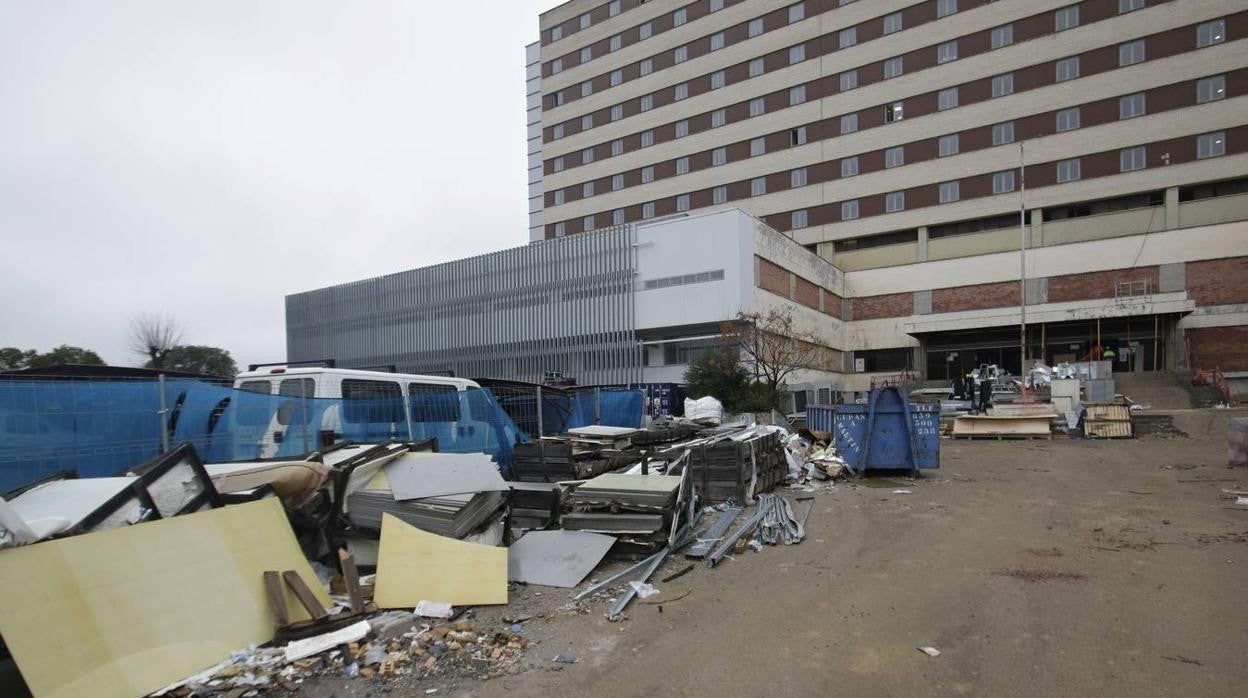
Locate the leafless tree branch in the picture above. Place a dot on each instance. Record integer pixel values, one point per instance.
(153, 335)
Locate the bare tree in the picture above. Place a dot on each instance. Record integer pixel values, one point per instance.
(153, 336)
(772, 347)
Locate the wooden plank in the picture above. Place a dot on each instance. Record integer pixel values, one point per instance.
(305, 595)
(277, 599)
(351, 579)
(979, 425)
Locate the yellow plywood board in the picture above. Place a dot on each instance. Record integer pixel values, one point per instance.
(128, 611)
(415, 565)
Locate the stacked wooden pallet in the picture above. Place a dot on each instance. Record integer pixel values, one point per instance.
(1107, 421)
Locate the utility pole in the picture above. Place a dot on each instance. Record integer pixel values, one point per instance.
(1022, 266)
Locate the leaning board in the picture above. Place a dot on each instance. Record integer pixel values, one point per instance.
(128, 611)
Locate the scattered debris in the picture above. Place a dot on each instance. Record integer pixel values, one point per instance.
(1184, 660)
(1037, 576)
(930, 651)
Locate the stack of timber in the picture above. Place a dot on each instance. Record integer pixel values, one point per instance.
(990, 427)
(1107, 421)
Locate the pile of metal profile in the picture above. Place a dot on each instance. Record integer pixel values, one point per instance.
(535, 504)
(731, 539)
(557, 459)
(779, 525)
(454, 515)
(597, 437)
(702, 546)
(734, 465)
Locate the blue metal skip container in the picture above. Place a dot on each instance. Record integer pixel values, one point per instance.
(888, 433)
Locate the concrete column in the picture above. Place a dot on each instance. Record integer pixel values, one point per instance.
(923, 243)
(1172, 208)
(1035, 237)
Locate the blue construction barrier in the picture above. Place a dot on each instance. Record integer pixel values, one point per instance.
(100, 428)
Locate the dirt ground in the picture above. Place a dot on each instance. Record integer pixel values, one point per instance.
(1037, 568)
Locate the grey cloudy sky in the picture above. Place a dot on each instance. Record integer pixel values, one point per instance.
(204, 159)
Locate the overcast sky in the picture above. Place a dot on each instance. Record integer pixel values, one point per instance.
(204, 159)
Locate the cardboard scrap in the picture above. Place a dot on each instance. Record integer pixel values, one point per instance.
(128, 611)
(315, 645)
(415, 565)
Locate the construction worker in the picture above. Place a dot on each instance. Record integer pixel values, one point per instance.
(1109, 354)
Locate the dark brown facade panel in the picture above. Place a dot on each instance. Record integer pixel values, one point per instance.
(772, 277)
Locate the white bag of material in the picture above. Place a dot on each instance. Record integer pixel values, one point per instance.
(706, 409)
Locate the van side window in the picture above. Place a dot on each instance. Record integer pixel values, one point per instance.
(262, 387)
(434, 403)
(294, 387)
(378, 402)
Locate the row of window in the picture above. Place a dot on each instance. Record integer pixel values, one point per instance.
(1069, 68)
(1208, 145)
(1001, 36)
(1129, 106)
(754, 27)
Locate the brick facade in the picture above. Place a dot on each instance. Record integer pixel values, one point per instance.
(1218, 281)
(1219, 347)
(1098, 284)
(807, 293)
(772, 277)
(978, 297)
(883, 306)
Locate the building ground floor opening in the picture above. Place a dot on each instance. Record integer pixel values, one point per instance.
(1138, 343)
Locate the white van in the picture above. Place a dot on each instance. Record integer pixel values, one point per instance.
(365, 408)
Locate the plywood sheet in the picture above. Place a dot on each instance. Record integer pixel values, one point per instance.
(640, 483)
(128, 611)
(556, 558)
(1006, 426)
(419, 476)
(415, 565)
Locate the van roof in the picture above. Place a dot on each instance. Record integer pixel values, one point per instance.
(279, 372)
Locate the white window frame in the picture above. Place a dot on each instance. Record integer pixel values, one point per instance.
(617, 217)
(682, 202)
(647, 210)
(1003, 182)
(680, 91)
(682, 128)
(758, 107)
(617, 112)
(1210, 33)
(617, 182)
(1132, 106)
(847, 37)
(949, 192)
(1003, 85)
(947, 51)
(947, 99)
(893, 23)
(797, 54)
(719, 117)
(849, 123)
(758, 186)
(895, 156)
(1131, 53)
(1132, 159)
(647, 138)
(758, 146)
(719, 195)
(617, 147)
(799, 219)
(587, 223)
(948, 145)
(797, 12)
(797, 95)
(1002, 36)
(1125, 6)
(1067, 69)
(754, 28)
(894, 201)
(718, 79)
(682, 165)
(849, 80)
(1210, 89)
(849, 210)
(894, 67)
(1211, 145)
(719, 157)
(798, 178)
(647, 103)
(1068, 120)
(1069, 171)
(849, 167)
(1066, 18)
(757, 67)
(1002, 129)
(680, 54)
(797, 136)
(647, 174)
(717, 41)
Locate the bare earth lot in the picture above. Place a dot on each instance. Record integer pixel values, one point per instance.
(1037, 568)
